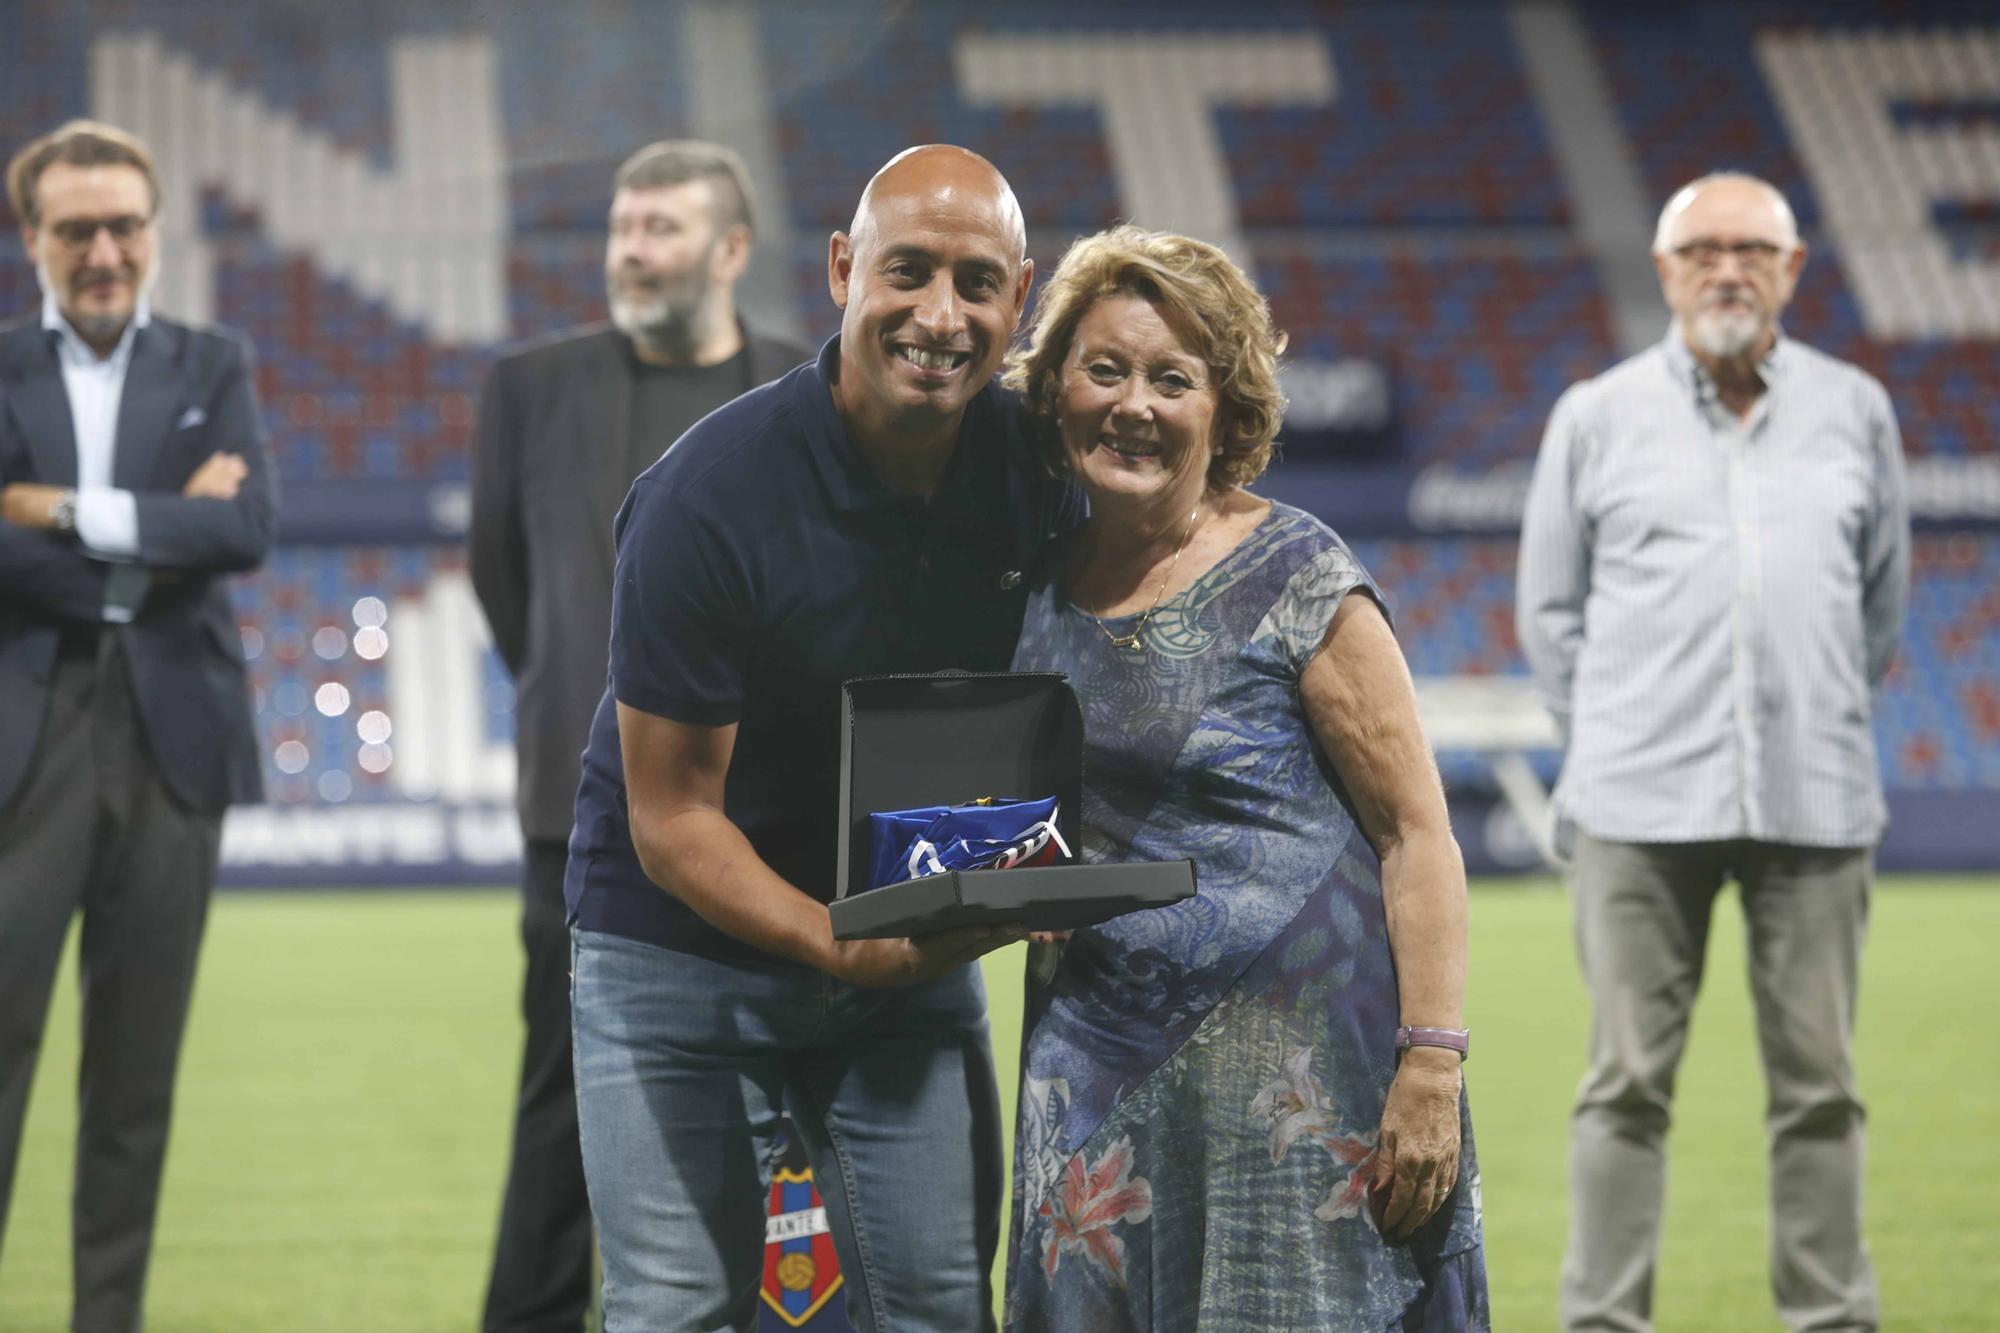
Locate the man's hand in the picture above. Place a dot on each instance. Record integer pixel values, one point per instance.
(1416, 1160)
(903, 962)
(218, 477)
(29, 504)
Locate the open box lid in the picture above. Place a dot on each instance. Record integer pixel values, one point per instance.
(947, 739)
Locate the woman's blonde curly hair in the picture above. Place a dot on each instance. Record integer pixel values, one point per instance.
(1205, 298)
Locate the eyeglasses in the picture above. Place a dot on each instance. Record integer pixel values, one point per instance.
(78, 233)
(1749, 254)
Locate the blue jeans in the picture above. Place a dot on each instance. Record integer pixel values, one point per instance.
(683, 1065)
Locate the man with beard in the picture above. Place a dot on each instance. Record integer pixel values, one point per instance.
(1714, 567)
(564, 427)
(873, 512)
(133, 479)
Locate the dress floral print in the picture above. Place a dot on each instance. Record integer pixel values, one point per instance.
(1298, 1108)
(1202, 1084)
(1086, 1205)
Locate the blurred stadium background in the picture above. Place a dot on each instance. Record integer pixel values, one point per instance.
(1448, 204)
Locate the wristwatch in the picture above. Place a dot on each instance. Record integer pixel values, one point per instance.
(1452, 1039)
(62, 513)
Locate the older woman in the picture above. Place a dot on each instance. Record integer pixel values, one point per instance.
(1242, 1112)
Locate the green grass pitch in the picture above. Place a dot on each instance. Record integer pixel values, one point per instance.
(343, 1109)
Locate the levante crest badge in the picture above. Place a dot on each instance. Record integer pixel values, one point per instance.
(802, 1285)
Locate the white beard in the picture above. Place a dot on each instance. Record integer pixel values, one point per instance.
(1726, 334)
(672, 310)
(644, 318)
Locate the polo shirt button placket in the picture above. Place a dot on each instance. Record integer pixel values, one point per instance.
(920, 582)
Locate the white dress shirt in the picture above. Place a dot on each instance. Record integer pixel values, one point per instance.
(107, 517)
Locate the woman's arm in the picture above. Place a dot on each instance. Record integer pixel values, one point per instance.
(1363, 711)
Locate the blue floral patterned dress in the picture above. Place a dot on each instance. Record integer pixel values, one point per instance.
(1202, 1084)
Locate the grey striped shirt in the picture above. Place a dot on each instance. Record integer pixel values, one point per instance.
(1707, 603)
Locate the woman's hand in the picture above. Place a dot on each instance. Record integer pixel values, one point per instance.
(1416, 1161)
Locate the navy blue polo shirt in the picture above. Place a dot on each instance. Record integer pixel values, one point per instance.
(761, 563)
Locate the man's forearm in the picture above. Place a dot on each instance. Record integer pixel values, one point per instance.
(1551, 658)
(28, 504)
(203, 533)
(1558, 706)
(701, 857)
(49, 575)
(500, 581)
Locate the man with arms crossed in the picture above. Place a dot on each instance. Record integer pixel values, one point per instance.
(875, 511)
(1714, 566)
(564, 427)
(133, 478)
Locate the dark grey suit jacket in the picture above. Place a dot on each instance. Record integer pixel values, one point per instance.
(549, 470)
(188, 393)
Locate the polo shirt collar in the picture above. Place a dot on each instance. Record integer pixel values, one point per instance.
(850, 483)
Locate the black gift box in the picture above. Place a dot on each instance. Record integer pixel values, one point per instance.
(947, 739)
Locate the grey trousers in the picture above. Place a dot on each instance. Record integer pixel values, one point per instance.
(1642, 913)
(95, 830)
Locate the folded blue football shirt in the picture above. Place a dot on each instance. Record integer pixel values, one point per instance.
(994, 833)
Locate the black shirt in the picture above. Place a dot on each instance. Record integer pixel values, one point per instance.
(760, 564)
(667, 399)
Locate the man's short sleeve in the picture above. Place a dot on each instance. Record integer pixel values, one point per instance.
(677, 612)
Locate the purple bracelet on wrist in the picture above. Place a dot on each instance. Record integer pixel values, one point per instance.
(1452, 1039)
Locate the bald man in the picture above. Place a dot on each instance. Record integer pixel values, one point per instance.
(872, 512)
(1714, 567)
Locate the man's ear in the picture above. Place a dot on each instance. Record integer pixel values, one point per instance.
(732, 257)
(839, 267)
(1025, 285)
(1794, 266)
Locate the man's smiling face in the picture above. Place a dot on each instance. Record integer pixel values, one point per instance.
(932, 284)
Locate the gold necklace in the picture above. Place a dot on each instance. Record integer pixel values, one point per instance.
(1132, 640)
